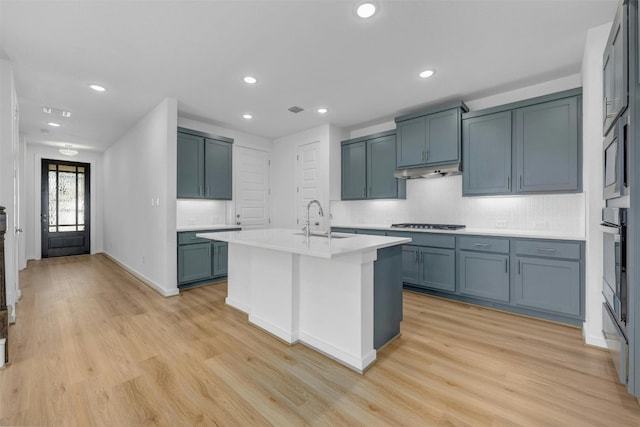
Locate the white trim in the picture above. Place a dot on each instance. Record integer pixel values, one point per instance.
(159, 289)
(288, 337)
(594, 340)
(237, 305)
(349, 360)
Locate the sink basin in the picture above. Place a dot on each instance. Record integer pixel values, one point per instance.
(326, 236)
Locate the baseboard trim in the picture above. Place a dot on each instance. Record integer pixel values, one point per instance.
(143, 279)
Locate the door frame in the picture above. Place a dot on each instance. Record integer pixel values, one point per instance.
(88, 199)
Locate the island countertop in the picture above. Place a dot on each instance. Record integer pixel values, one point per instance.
(294, 241)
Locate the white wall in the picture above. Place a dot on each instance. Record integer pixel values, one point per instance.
(139, 172)
(35, 154)
(211, 212)
(592, 178)
(9, 195)
(283, 172)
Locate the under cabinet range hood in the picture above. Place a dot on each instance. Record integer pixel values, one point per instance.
(435, 171)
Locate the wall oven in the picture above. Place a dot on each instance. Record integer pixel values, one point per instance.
(614, 287)
(615, 161)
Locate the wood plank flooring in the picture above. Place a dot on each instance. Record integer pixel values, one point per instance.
(95, 347)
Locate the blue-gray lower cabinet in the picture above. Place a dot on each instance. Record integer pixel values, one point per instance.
(429, 267)
(194, 262)
(548, 284)
(220, 258)
(484, 275)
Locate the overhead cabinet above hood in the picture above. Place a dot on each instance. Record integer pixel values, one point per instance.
(432, 171)
(429, 142)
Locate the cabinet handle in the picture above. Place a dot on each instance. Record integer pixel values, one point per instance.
(422, 257)
(509, 183)
(417, 257)
(546, 250)
(518, 266)
(427, 155)
(482, 245)
(506, 265)
(520, 182)
(364, 191)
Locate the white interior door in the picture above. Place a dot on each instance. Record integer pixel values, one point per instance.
(309, 185)
(251, 188)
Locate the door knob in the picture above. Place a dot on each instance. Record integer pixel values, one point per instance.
(18, 229)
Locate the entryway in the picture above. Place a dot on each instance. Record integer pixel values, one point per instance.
(65, 211)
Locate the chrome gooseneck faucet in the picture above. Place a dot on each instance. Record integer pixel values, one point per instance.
(307, 228)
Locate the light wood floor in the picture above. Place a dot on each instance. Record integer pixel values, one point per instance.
(95, 347)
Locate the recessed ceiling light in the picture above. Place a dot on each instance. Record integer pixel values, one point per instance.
(55, 125)
(67, 150)
(247, 116)
(366, 10)
(426, 73)
(97, 88)
(322, 110)
(250, 80)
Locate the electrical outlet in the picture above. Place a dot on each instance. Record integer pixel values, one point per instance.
(501, 223)
(540, 224)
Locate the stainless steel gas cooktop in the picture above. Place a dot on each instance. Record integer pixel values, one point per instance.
(429, 226)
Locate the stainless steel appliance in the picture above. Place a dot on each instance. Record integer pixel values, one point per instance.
(429, 226)
(614, 286)
(615, 161)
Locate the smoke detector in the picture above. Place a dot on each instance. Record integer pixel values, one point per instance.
(295, 109)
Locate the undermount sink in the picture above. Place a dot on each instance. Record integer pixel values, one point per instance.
(326, 236)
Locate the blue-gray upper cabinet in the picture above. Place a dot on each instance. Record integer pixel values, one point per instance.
(527, 147)
(615, 70)
(486, 154)
(354, 171)
(548, 276)
(190, 167)
(429, 136)
(368, 164)
(547, 146)
(217, 169)
(204, 168)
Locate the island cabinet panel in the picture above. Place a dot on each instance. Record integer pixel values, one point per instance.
(354, 171)
(547, 146)
(387, 295)
(190, 166)
(486, 154)
(368, 164)
(484, 275)
(194, 262)
(204, 168)
(549, 284)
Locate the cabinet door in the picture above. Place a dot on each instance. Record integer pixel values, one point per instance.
(194, 262)
(615, 78)
(484, 275)
(549, 284)
(486, 154)
(381, 163)
(547, 146)
(412, 141)
(411, 265)
(443, 137)
(438, 269)
(220, 258)
(190, 169)
(218, 173)
(354, 171)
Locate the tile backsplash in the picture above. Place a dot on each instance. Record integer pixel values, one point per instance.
(440, 201)
(201, 212)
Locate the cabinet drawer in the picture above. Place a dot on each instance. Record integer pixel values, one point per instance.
(189, 237)
(485, 244)
(433, 240)
(548, 249)
(371, 232)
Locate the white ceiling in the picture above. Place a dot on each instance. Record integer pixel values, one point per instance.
(306, 53)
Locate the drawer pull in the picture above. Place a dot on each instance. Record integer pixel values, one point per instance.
(481, 245)
(506, 265)
(546, 250)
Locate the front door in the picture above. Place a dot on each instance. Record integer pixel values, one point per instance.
(65, 208)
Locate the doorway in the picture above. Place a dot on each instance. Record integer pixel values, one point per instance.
(65, 215)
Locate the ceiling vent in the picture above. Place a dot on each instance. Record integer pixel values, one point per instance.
(295, 109)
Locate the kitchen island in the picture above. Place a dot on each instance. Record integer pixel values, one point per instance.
(341, 295)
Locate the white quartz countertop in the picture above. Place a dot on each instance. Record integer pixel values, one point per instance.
(498, 232)
(294, 241)
(206, 227)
